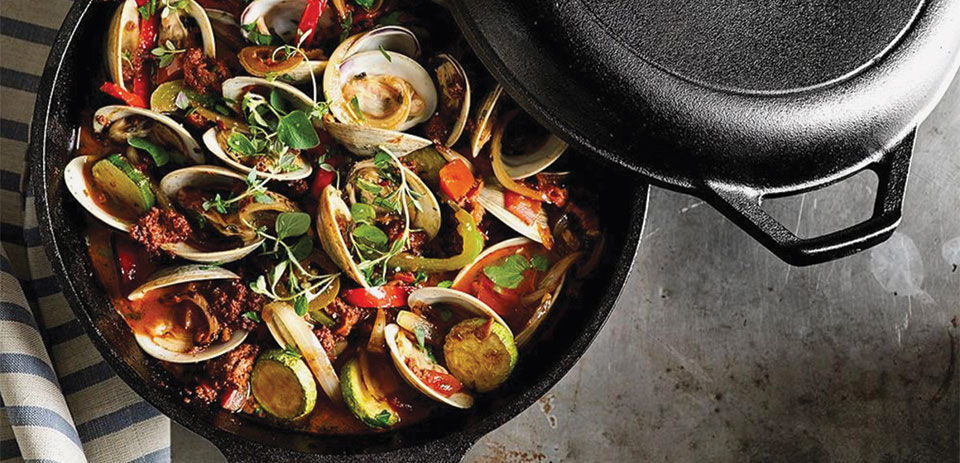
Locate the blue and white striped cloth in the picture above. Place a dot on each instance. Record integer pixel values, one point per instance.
(60, 400)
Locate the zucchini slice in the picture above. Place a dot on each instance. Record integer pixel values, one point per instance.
(373, 412)
(123, 183)
(282, 384)
(480, 354)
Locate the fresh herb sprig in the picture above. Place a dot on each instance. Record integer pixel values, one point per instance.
(302, 285)
(256, 187)
(166, 53)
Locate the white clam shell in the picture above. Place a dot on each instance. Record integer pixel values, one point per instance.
(484, 120)
(123, 34)
(451, 68)
(281, 17)
(172, 276)
(435, 295)
(392, 38)
(457, 400)
(76, 182)
(332, 207)
(201, 176)
(491, 198)
(365, 141)
(210, 140)
(111, 113)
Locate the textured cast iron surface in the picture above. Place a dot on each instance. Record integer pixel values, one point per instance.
(67, 86)
(757, 98)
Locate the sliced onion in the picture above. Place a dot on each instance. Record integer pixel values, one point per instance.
(411, 322)
(296, 332)
(553, 278)
(376, 343)
(500, 170)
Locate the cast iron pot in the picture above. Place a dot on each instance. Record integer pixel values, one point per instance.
(67, 87)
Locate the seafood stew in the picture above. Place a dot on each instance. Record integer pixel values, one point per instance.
(334, 252)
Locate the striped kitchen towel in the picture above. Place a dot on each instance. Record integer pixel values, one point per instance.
(60, 400)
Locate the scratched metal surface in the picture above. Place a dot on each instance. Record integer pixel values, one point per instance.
(718, 351)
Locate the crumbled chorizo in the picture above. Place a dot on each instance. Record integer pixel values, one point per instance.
(202, 73)
(159, 227)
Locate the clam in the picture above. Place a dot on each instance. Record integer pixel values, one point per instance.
(491, 197)
(531, 152)
(536, 305)
(281, 18)
(184, 188)
(120, 124)
(333, 221)
(168, 339)
(124, 32)
(454, 99)
(374, 84)
(425, 213)
(123, 122)
(291, 330)
(216, 140)
(404, 351)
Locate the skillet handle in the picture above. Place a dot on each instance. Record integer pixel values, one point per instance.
(743, 206)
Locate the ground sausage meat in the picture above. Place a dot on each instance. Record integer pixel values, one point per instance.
(202, 73)
(158, 227)
(229, 300)
(227, 377)
(346, 316)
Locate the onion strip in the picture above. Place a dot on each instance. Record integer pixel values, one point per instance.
(377, 341)
(296, 332)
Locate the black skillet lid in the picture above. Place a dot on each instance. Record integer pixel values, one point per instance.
(732, 100)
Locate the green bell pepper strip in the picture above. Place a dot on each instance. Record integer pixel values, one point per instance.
(472, 245)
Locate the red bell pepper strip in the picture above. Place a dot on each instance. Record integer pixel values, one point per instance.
(379, 297)
(524, 208)
(129, 98)
(456, 180)
(308, 20)
(148, 41)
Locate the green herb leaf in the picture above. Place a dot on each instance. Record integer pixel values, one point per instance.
(363, 213)
(252, 316)
(160, 156)
(291, 350)
(182, 101)
(262, 198)
(370, 235)
(421, 276)
(260, 285)
(303, 248)
(445, 284)
(292, 224)
(540, 262)
(508, 274)
(297, 132)
(300, 304)
(241, 144)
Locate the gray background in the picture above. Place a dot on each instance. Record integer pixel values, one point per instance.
(719, 351)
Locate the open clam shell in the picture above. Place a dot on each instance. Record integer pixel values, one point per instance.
(492, 199)
(332, 212)
(179, 350)
(432, 295)
(234, 89)
(426, 217)
(518, 165)
(281, 18)
(123, 38)
(400, 348)
(205, 177)
(365, 141)
(107, 117)
(454, 87)
(543, 308)
(383, 57)
(124, 32)
(75, 178)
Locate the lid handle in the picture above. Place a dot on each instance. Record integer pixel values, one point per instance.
(743, 207)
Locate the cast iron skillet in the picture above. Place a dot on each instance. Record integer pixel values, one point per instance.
(66, 87)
